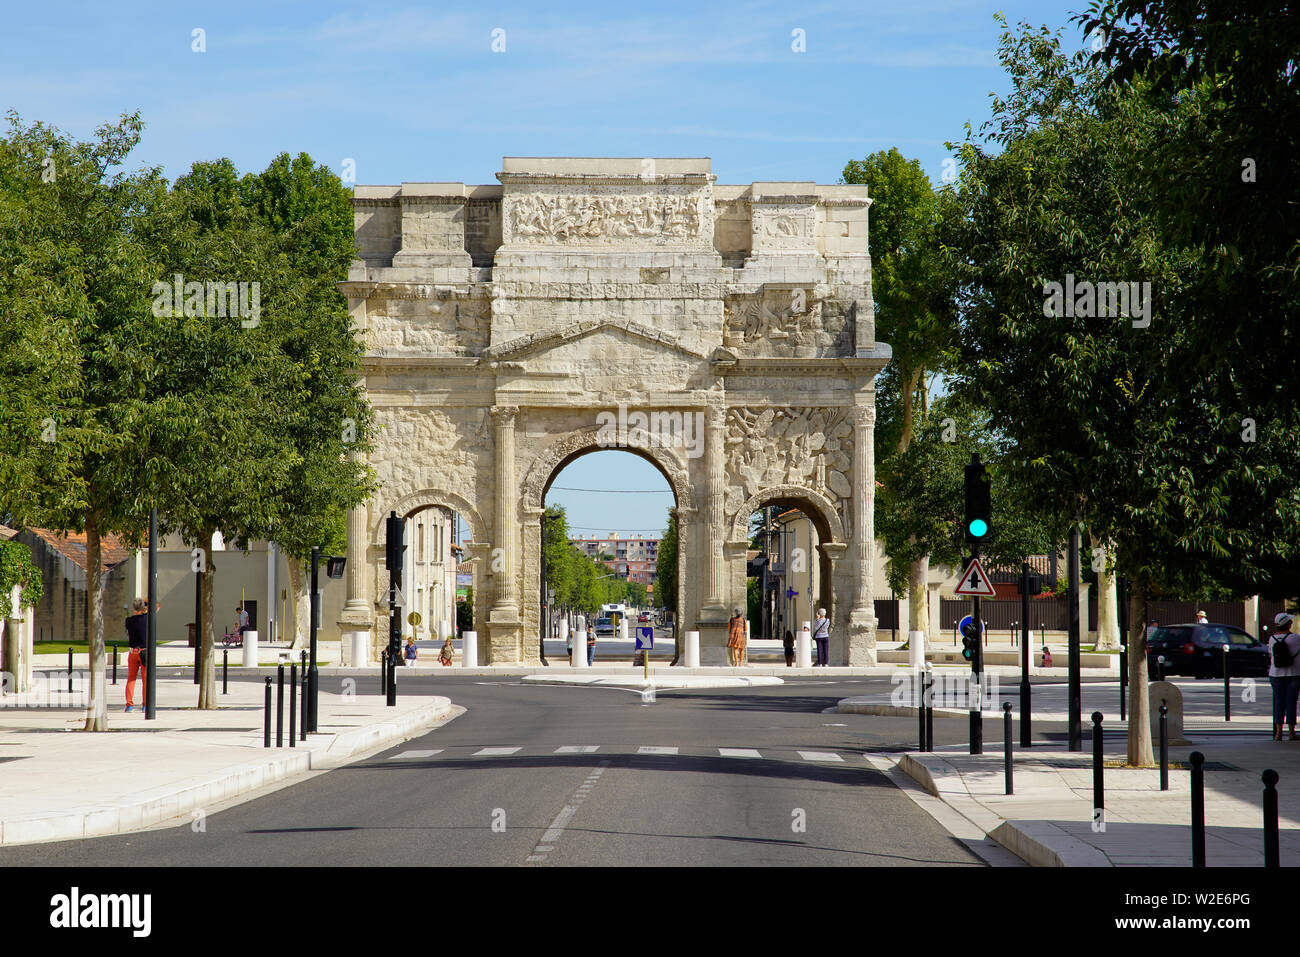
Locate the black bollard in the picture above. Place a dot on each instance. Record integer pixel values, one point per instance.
(225, 670)
(1164, 746)
(293, 703)
(1227, 687)
(266, 726)
(114, 663)
(1160, 668)
(1006, 745)
(1198, 809)
(279, 705)
(921, 711)
(302, 718)
(383, 671)
(928, 702)
(1098, 768)
(198, 645)
(1123, 683)
(69, 669)
(1272, 849)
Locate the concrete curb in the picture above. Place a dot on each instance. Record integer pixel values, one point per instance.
(162, 804)
(684, 682)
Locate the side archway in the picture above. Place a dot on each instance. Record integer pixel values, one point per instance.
(810, 501)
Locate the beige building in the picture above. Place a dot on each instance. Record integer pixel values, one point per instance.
(429, 573)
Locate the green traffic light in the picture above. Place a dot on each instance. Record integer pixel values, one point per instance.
(978, 528)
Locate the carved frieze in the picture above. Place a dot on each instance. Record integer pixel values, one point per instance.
(807, 447)
(774, 315)
(599, 218)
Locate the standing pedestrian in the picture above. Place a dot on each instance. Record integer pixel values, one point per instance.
(411, 652)
(1284, 673)
(448, 654)
(821, 633)
(788, 643)
(1202, 618)
(1047, 657)
(1152, 628)
(736, 639)
(591, 645)
(137, 631)
(241, 621)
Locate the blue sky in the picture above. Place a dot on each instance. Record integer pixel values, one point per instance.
(415, 93)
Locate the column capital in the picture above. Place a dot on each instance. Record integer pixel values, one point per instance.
(504, 415)
(864, 416)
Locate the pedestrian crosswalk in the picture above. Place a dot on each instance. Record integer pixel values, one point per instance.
(649, 750)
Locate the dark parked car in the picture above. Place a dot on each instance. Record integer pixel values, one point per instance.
(1197, 651)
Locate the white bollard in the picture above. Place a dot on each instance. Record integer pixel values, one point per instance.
(564, 629)
(692, 649)
(803, 647)
(916, 648)
(622, 628)
(469, 649)
(358, 645)
(580, 648)
(250, 649)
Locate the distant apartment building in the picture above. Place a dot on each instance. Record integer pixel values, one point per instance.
(634, 557)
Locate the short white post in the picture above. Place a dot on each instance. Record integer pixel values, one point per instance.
(564, 629)
(803, 647)
(692, 649)
(580, 648)
(469, 649)
(358, 646)
(250, 649)
(916, 648)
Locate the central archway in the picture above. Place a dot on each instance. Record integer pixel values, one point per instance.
(538, 480)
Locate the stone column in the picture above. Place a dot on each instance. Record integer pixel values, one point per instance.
(503, 622)
(357, 620)
(862, 617)
(714, 614)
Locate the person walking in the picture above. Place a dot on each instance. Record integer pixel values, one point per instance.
(788, 643)
(1284, 673)
(591, 646)
(137, 631)
(736, 639)
(411, 652)
(241, 621)
(821, 634)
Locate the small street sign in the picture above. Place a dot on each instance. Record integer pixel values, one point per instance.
(790, 593)
(399, 601)
(645, 637)
(414, 618)
(975, 582)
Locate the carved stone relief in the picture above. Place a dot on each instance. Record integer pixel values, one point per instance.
(596, 218)
(807, 447)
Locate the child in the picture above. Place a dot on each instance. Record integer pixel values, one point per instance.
(448, 654)
(1047, 657)
(788, 642)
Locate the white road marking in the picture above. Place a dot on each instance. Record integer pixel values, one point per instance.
(655, 750)
(494, 752)
(577, 749)
(416, 754)
(738, 753)
(556, 830)
(820, 756)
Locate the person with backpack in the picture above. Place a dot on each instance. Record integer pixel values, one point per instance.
(1284, 674)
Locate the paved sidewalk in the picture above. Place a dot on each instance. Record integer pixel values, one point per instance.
(60, 783)
(1048, 821)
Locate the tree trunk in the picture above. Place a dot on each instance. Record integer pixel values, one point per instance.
(1107, 604)
(909, 397)
(97, 704)
(207, 639)
(918, 599)
(300, 588)
(1139, 699)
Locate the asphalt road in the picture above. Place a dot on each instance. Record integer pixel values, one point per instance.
(582, 776)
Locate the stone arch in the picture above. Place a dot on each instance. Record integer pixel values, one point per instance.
(554, 457)
(427, 498)
(821, 508)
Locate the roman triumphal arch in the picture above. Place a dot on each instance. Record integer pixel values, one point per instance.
(723, 332)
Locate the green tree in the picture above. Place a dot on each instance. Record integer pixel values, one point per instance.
(74, 286)
(912, 288)
(1111, 420)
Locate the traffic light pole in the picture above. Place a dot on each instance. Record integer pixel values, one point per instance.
(1025, 692)
(1076, 679)
(395, 530)
(977, 678)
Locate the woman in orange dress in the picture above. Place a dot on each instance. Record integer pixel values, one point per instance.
(736, 639)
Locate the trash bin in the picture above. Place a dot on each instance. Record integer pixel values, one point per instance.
(194, 634)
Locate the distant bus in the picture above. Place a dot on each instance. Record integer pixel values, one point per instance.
(620, 607)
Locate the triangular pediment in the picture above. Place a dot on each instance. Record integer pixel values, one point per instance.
(531, 345)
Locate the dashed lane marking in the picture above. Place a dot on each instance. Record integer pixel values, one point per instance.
(553, 833)
(577, 749)
(820, 756)
(413, 755)
(494, 752)
(648, 749)
(738, 753)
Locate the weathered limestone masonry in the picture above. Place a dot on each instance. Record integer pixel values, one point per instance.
(501, 321)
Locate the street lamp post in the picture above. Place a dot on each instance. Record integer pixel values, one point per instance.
(151, 673)
(312, 674)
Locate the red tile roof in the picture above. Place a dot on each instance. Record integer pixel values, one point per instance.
(73, 547)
